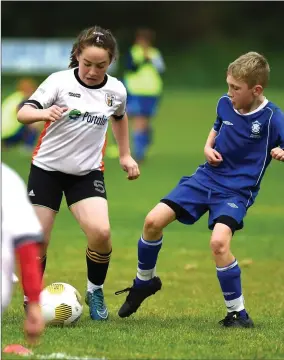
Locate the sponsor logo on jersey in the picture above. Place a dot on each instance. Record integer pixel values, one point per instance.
(74, 114)
(94, 119)
(74, 94)
(109, 99)
(255, 129)
(89, 118)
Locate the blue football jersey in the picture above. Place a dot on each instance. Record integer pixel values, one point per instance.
(245, 142)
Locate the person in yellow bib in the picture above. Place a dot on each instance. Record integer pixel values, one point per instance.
(144, 84)
(14, 132)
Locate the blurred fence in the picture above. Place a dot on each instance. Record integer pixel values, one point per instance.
(197, 39)
(196, 65)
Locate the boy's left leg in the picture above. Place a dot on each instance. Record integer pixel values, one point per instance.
(228, 270)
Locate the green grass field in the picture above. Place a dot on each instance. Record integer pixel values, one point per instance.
(179, 322)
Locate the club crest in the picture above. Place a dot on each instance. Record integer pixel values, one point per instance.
(255, 129)
(109, 99)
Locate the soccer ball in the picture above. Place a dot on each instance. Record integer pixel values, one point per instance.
(61, 304)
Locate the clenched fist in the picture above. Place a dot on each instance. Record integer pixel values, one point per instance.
(53, 113)
(277, 154)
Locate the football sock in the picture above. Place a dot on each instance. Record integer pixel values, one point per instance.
(230, 282)
(141, 140)
(147, 257)
(97, 266)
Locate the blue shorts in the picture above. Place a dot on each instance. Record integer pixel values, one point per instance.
(196, 199)
(142, 105)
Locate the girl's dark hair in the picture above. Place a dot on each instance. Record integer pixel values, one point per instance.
(94, 36)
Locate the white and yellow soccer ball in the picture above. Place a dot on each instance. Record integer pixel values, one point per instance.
(61, 304)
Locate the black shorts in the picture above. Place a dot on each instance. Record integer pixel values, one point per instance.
(46, 188)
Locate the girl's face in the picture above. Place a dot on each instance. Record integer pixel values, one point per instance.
(93, 65)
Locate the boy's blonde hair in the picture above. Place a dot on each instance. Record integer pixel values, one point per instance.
(252, 68)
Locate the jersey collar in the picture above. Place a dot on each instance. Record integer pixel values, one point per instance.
(76, 74)
(261, 106)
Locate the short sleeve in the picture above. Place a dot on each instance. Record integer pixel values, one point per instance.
(218, 121)
(45, 95)
(19, 218)
(217, 124)
(120, 111)
(220, 109)
(278, 129)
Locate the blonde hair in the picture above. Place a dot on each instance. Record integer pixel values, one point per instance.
(252, 68)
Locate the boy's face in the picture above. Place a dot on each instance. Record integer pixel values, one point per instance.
(241, 95)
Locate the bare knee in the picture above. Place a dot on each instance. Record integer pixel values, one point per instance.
(152, 225)
(97, 235)
(219, 245)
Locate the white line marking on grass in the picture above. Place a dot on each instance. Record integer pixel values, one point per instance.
(63, 356)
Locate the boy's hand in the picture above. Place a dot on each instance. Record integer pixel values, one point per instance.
(277, 154)
(213, 157)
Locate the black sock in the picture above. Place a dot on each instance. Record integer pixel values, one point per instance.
(97, 265)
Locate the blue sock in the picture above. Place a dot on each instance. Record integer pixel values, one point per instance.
(230, 282)
(30, 137)
(140, 143)
(147, 257)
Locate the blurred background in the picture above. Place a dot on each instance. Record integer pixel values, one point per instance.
(197, 39)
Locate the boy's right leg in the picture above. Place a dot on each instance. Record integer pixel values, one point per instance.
(146, 283)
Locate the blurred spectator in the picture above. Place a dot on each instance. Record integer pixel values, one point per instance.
(144, 85)
(13, 132)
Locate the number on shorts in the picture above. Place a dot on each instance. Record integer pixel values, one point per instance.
(99, 186)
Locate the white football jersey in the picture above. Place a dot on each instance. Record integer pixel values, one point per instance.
(75, 143)
(19, 225)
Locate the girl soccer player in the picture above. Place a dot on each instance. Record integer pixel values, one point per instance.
(76, 105)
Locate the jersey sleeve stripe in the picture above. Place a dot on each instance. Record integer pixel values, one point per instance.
(36, 150)
(33, 103)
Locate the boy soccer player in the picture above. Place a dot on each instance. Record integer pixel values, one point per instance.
(247, 134)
